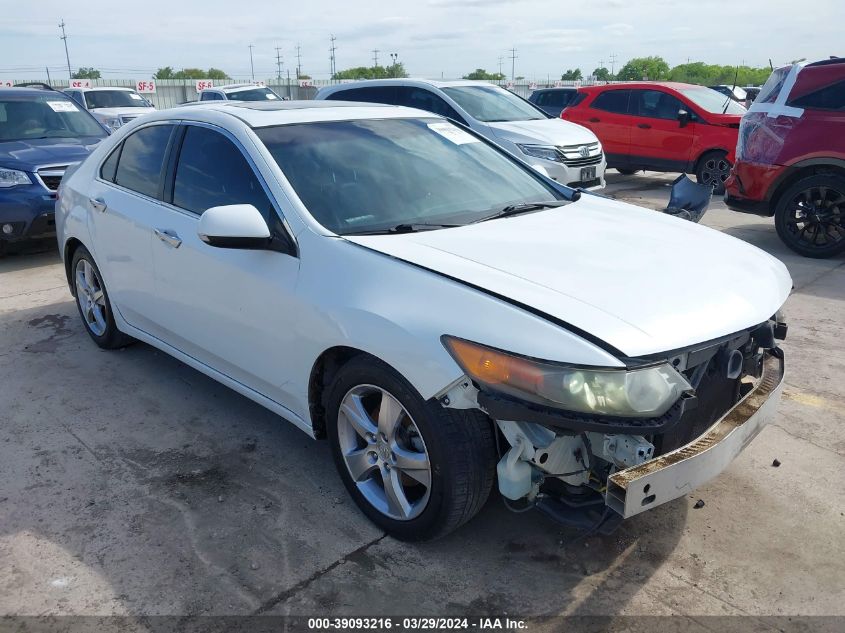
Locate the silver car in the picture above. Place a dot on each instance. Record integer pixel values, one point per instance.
(565, 151)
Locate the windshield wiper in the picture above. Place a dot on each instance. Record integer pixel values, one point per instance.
(406, 228)
(523, 207)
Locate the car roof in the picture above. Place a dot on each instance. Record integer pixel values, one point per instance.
(673, 85)
(269, 113)
(97, 88)
(235, 87)
(31, 92)
(420, 83)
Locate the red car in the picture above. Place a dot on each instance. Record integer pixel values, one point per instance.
(661, 126)
(791, 157)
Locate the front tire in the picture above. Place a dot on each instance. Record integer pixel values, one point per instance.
(92, 301)
(414, 468)
(713, 169)
(627, 172)
(810, 216)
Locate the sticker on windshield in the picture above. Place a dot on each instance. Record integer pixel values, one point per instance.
(62, 106)
(132, 95)
(454, 134)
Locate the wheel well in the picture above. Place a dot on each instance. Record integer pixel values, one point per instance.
(70, 248)
(797, 174)
(324, 370)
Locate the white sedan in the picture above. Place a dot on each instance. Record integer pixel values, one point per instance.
(445, 315)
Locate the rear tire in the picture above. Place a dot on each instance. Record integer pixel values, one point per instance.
(713, 169)
(92, 301)
(456, 446)
(627, 172)
(810, 216)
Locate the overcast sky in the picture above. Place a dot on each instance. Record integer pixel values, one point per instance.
(432, 37)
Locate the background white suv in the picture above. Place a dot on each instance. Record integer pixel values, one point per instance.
(238, 92)
(111, 105)
(565, 151)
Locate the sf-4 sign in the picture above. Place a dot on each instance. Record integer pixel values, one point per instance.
(202, 84)
(145, 85)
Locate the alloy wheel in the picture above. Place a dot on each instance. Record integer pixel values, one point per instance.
(715, 171)
(815, 217)
(384, 452)
(90, 297)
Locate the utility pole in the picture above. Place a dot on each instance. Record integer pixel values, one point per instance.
(613, 59)
(49, 82)
(375, 57)
(298, 61)
(332, 58)
(513, 62)
(278, 63)
(63, 37)
(251, 67)
(501, 59)
(394, 57)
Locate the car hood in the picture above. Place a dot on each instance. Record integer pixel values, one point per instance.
(723, 119)
(545, 131)
(115, 112)
(28, 155)
(639, 280)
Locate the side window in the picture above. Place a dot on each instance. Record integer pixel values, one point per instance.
(540, 98)
(75, 95)
(615, 101)
(142, 160)
(377, 94)
(423, 99)
(831, 97)
(557, 98)
(109, 168)
(210, 96)
(212, 172)
(655, 104)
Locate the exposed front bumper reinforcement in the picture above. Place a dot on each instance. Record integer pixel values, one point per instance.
(679, 472)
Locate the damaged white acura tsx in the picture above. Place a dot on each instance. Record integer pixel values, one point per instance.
(448, 318)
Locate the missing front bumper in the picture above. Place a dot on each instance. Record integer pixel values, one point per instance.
(678, 472)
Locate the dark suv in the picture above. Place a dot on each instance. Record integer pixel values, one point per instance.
(42, 133)
(552, 101)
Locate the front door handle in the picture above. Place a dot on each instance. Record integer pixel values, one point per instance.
(98, 203)
(644, 126)
(169, 237)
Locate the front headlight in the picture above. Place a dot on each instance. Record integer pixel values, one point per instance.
(113, 123)
(12, 177)
(546, 152)
(647, 392)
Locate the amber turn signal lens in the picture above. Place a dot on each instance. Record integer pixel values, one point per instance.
(490, 366)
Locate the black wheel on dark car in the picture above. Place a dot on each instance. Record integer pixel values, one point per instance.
(627, 172)
(92, 301)
(414, 468)
(713, 169)
(810, 216)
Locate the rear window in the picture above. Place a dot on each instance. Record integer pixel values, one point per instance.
(771, 89)
(376, 94)
(254, 94)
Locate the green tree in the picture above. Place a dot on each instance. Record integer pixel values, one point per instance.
(216, 73)
(602, 74)
(87, 73)
(712, 74)
(572, 75)
(372, 72)
(191, 73)
(653, 68)
(480, 73)
(164, 73)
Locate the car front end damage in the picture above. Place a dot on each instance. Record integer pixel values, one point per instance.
(593, 470)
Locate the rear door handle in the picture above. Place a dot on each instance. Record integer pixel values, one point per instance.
(98, 203)
(644, 126)
(169, 237)
(594, 120)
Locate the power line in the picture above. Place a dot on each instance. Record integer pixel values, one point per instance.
(63, 37)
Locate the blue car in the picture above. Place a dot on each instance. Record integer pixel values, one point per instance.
(42, 133)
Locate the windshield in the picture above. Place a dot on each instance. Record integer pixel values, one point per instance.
(114, 99)
(254, 94)
(45, 116)
(492, 104)
(370, 175)
(711, 101)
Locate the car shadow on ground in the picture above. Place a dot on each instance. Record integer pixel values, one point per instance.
(130, 483)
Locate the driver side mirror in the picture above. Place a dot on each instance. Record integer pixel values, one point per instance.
(683, 118)
(234, 226)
